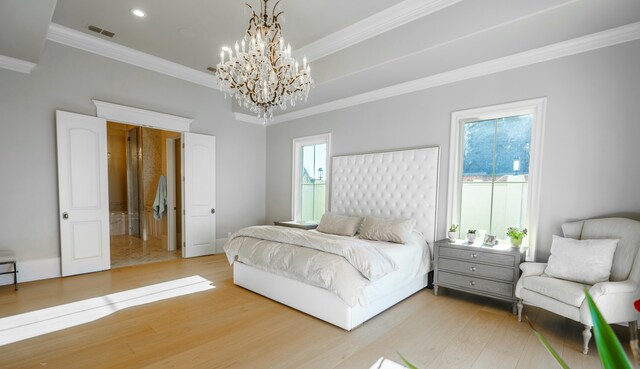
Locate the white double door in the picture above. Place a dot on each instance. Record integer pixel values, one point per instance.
(84, 194)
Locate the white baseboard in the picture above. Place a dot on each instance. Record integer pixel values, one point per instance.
(220, 244)
(33, 270)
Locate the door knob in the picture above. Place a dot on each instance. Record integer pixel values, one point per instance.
(473, 269)
(65, 215)
(213, 211)
(472, 283)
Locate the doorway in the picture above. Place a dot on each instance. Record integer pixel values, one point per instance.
(83, 188)
(144, 185)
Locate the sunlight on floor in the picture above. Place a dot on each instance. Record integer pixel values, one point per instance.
(35, 323)
(383, 363)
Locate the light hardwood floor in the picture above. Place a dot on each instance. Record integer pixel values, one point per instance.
(229, 327)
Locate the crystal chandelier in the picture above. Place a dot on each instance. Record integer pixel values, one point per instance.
(260, 71)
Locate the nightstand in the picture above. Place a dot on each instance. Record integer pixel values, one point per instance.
(297, 224)
(491, 271)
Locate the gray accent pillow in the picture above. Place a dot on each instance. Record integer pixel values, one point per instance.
(389, 230)
(341, 225)
(582, 261)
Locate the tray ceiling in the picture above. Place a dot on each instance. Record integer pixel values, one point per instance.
(361, 50)
(191, 32)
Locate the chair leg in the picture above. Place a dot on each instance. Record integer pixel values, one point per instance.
(633, 339)
(15, 277)
(520, 307)
(586, 337)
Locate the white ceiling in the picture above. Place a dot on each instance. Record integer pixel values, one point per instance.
(361, 48)
(23, 27)
(206, 25)
(455, 38)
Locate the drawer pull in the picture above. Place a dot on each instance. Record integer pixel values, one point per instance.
(473, 256)
(473, 269)
(473, 283)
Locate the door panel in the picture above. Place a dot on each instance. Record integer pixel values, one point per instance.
(84, 236)
(84, 162)
(83, 193)
(199, 195)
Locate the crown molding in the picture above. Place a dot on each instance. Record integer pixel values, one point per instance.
(135, 116)
(247, 118)
(384, 21)
(17, 65)
(614, 36)
(109, 49)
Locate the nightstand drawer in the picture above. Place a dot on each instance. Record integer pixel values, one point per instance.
(476, 284)
(477, 256)
(474, 269)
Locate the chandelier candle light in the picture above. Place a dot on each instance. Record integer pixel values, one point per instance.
(260, 71)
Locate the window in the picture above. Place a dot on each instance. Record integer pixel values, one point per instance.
(310, 177)
(494, 169)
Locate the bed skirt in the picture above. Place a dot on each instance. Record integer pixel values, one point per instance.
(316, 301)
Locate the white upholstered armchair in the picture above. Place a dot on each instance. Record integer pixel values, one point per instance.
(614, 298)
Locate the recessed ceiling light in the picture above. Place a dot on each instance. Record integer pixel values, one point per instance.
(138, 13)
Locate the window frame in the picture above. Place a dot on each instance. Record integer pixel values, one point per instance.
(535, 107)
(298, 143)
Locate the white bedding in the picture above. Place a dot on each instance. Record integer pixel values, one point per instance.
(356, 270)
(413, 260)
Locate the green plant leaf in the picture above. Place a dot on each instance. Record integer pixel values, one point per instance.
(548, 346)
(411, 366)
(611, 352)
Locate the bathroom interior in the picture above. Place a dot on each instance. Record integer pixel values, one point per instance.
(142, 194)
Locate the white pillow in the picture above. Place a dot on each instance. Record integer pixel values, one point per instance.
(582, 261)
(390, 230)
(341, 225)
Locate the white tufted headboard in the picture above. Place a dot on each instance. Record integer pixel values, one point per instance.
(396, 184)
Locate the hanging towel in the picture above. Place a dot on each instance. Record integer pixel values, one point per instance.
(160, 203)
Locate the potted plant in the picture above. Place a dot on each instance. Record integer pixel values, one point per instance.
(516, 235)
(453, 230)
(471, 235)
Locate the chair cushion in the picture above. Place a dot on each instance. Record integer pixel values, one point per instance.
(582, 261)
(571, 293)
(627, 230)
(552, 305)
(573, 229)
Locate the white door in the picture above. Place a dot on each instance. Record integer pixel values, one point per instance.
(199, 169)
(83, 193)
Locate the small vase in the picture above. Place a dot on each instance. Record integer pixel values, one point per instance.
(452, 236)
(516, 242)
(471, 237)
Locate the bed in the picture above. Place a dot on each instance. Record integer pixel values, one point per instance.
(393, 185)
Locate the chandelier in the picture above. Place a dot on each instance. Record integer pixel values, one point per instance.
(259, 71)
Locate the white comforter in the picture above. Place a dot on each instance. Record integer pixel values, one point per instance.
(342, 265)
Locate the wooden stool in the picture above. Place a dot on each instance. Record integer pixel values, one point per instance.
(9, 257)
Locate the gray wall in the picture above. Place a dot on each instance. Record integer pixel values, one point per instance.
(591, 153)
(67, 79)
